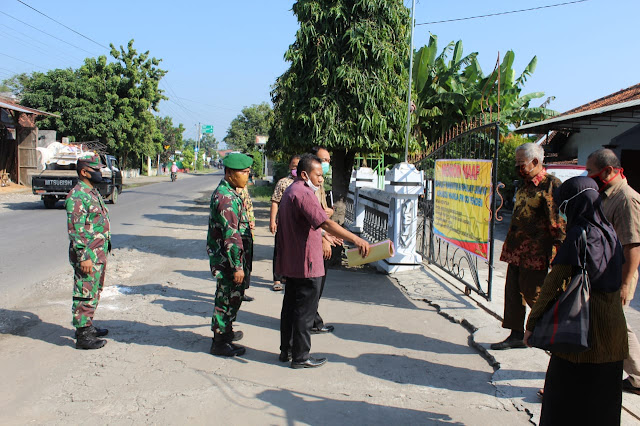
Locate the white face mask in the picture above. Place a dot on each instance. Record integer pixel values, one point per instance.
(562, 209)
(311, 185)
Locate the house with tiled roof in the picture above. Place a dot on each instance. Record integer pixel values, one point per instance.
(612, 121)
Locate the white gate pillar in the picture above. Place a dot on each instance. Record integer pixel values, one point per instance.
(364, 177)
(406, 184)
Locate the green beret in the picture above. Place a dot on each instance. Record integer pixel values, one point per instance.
(235, 160)
(92, 161)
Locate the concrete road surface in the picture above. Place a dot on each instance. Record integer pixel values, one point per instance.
(391, 360)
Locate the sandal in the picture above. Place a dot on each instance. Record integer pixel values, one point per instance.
(540, 393)
(277, 287)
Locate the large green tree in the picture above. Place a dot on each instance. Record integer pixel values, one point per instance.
(254, 120)
(107, 101)
(347, 83)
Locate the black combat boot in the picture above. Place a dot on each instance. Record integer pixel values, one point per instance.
(222, 345)
(100, 332)
(87, 338)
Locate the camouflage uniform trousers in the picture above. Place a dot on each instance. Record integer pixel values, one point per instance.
(227, 303)
(86, 293)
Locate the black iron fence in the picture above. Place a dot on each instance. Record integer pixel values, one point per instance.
(480, 143)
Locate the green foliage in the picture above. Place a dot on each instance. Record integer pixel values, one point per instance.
(209, 145)
(347, 84)
(280, 170)
(506, 163)
(188, 157)
(108, 101)
(261, 193)
(451, 88)
(258, 165)
(171, 137)
(255, 120)
(346, 87)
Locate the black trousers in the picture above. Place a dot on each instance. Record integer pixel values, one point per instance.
(276, 277)
(299, 306)
(317, 320)
(581, 394)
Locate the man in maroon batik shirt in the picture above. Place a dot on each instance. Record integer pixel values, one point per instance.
(300, 220)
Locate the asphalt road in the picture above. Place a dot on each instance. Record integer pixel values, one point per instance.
(35, 242)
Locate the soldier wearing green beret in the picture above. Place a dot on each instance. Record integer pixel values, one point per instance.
(89, 243)
(230, 246)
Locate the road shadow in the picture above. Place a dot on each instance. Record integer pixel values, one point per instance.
(187, 218)
(189, 248)
(305, 408)
(397, 339)
(28, 324)
(32, 205)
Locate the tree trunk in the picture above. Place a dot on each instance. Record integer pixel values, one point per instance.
(342, 166)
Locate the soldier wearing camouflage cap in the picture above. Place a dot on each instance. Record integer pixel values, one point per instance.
(230, 247)
(89, 243)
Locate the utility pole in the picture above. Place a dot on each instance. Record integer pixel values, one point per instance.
(406, 139)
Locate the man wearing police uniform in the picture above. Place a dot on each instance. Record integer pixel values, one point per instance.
(230, 246)
(89, 243)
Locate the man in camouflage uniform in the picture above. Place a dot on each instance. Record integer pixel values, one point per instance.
(89, 243)
(229, 245)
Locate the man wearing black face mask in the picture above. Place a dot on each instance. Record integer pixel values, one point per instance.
(89, 243)
(621, 206)
(535, 232)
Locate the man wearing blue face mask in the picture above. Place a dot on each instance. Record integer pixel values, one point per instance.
(328, 240)
(621, 206)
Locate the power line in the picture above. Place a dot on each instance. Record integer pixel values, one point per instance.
(9, 56)
(44, 32)
(57, 22)
(503, 13)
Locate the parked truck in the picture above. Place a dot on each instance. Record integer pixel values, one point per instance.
(55, 182)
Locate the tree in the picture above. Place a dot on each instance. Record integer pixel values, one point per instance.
(208, 144)
(188, 157)
(347, 83)
(171, 137)
(255, 120)
(108, 101)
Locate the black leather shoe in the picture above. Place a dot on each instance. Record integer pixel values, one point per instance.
(237, 335)
(246, 298)
(309, 363)
(508, 343)
(325, 329)
(285, 356)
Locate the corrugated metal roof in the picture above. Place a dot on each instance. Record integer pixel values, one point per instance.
(580, 119)
(20, 108)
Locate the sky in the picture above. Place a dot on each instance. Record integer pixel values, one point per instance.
(222, 55)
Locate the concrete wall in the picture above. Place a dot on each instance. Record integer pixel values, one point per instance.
(587, 141)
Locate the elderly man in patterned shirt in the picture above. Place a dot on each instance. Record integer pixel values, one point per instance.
(536, 231)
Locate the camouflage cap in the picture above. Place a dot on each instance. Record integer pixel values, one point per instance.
(92, 161)
(235, 160)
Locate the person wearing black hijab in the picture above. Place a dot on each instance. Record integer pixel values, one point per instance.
(585, 387)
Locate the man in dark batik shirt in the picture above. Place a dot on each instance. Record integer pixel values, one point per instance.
(535, 232)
